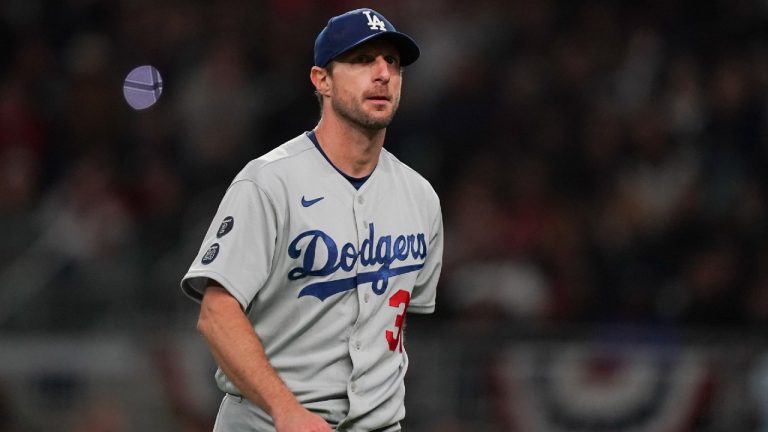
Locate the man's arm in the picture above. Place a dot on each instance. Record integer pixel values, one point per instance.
(240, 354)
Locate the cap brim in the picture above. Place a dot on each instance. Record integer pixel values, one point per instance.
(409, 51)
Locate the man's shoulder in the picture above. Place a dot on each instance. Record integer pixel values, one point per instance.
(408, 174)
(276, 161)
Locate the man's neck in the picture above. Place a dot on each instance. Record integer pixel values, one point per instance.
(353, 150)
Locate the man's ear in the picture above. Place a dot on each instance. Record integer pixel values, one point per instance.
(321, 80)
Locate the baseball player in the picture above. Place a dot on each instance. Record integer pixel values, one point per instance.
(317, 251)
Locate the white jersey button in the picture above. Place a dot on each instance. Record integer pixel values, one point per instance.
(367, 297)
(357, 345)
(360, 200)
(353, 387)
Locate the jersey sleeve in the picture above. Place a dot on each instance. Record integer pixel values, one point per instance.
(425, 289)
(238, 247)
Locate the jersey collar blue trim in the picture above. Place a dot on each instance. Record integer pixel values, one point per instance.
(357, 182)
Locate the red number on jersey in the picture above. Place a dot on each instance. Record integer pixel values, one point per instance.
(399, 298)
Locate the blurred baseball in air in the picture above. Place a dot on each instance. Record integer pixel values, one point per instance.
(142, 87)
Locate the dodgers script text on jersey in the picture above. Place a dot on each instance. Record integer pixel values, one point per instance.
(372, 252)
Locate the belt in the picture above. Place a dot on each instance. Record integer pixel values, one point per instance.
(390, 428)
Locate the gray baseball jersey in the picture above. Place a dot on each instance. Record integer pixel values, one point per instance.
(326, 273)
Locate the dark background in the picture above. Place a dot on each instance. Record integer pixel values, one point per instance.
(601, 168)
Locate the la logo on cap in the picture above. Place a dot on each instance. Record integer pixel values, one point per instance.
(374, 22)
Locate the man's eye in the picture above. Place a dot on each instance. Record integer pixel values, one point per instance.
(363, 58)
(391, 59)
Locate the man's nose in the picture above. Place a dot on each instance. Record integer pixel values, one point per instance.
(381, 69)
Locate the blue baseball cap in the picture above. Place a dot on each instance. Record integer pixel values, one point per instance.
(356, 27)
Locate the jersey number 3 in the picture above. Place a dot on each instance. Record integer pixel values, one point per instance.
(401, 297)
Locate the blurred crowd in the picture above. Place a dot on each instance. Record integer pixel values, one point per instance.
(597, 161)
(605, 163)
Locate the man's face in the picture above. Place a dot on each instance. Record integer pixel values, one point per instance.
(365, 84)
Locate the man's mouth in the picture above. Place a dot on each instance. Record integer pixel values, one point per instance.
(378, 98)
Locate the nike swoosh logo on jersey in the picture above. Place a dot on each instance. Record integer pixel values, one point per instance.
(306, 203)
(378, 280)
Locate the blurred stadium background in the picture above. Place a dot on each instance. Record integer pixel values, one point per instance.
(601, 165)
